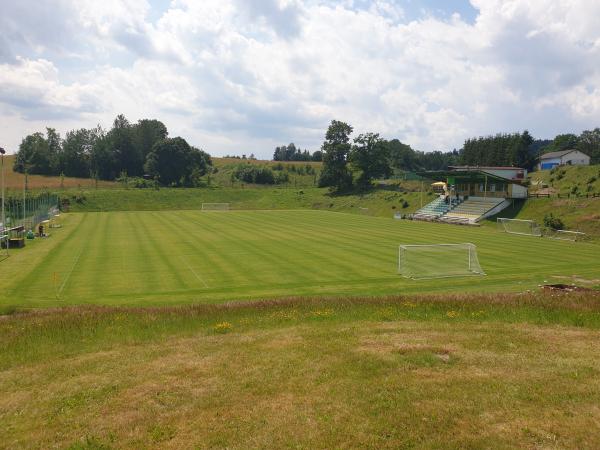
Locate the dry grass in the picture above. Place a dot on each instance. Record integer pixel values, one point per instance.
(15, 180)
(369, 373)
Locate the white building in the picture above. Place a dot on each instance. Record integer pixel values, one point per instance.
(565, 157)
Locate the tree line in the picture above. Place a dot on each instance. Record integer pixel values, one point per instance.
(291, 153)
(356, 163)
(131, 150)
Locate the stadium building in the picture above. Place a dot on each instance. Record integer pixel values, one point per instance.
(468, 194)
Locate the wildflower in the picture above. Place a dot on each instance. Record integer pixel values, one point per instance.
(222, 327)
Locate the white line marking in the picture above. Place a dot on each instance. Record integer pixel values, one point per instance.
(70, 272)
(194, 272)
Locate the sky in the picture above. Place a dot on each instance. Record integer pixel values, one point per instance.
(244, 76)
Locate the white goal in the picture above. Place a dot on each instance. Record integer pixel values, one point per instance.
(564, 235)
(518, 226)
(438, 261)
(215, 206)
(4, 243)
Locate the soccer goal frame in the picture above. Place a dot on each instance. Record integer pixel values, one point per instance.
(427, 261)
(4, 244)
(564, 235)
(519, 226)
(215, 206)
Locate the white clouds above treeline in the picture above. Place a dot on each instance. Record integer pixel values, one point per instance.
(241, 76)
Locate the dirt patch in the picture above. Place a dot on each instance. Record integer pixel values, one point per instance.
(565, 288)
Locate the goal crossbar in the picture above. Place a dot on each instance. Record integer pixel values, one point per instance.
(438, 260)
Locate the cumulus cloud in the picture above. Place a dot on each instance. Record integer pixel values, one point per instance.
(243, 76)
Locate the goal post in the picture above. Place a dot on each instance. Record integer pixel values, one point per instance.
(564, 235)
(4, 244)
(519, 226)
(438, 261)
(215, 207)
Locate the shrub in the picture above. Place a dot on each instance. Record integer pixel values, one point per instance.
(405, 204)
(254, 174)
(551, 221)
(282, 178)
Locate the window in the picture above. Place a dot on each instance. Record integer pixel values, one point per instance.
(492, 187)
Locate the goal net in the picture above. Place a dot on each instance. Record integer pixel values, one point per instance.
(518, 226)
(3, 244)
(215, 206)
(564, 235)
(438, 261)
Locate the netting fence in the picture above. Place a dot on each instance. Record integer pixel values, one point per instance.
(30, 210)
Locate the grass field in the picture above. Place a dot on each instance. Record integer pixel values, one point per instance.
(455, 372)
(157, 258)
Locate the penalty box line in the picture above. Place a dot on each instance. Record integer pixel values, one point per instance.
(70, 272)
(194, 272)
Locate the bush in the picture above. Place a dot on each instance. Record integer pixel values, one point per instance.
(282, 178)
(405, 204)
(550, 221)
(259, 175)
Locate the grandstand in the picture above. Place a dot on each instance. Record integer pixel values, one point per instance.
(470, 194)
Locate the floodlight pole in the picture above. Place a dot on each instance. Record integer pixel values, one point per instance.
(2, 152)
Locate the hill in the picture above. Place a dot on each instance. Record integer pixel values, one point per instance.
(565, 180)
(14, 181)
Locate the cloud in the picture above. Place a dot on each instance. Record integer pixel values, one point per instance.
(244, 76)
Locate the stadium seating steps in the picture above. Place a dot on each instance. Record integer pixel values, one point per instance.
(466, 212)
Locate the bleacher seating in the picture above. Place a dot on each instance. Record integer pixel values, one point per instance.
(432, 210)
(471, 210)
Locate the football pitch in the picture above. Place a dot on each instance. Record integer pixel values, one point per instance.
(157, 258)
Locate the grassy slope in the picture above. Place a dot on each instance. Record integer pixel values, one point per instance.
(479, 372)
(14, 181)
(226, 166)
(126, 258)
(578, 214)
(563, 179)
(379, 202)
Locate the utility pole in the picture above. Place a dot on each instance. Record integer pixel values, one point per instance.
(2, 152)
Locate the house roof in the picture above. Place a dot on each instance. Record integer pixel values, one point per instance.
(557, 154)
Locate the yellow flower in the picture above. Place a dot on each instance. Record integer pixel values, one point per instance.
(452, 314)
(222, 327)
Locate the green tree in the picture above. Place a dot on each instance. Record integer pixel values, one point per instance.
(336, 148)
(370, 155)
(34, 155)
(145, 134)
(174, 163)
(401, 156)
(562, 142)
(589, 143)
(126, 155)
(76, 153)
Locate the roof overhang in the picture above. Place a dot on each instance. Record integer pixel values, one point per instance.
(465, 176)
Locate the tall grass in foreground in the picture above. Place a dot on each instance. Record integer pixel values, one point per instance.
(59, 332)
